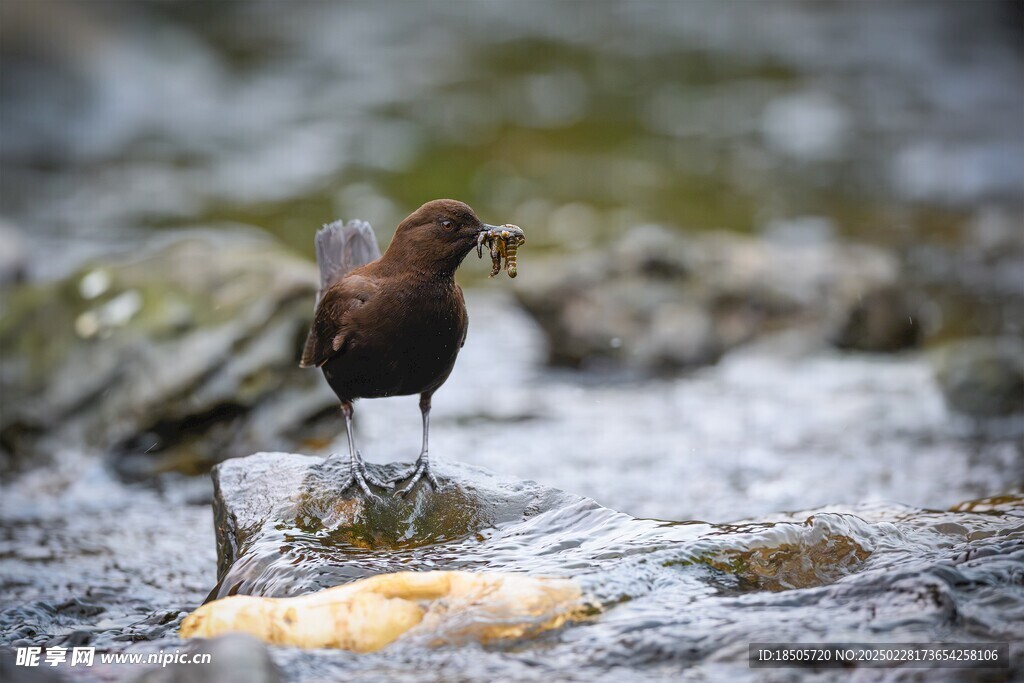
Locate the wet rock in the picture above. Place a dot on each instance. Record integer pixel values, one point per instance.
(273, 508)
(234, 658)
(820, 551)
(10, 670)
(884, 319)
(171, 359)
(982, 378)
(658, 299)
(284, 529)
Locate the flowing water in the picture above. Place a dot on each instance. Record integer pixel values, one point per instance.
(683, 600)
(672, 599)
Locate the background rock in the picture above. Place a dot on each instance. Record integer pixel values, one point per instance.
(172, 358)
(657, 299)
(883, 319)
(983, 377)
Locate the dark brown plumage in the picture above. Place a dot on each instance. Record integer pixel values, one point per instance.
(392, 326)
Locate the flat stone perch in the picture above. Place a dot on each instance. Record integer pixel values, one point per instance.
(284, 528)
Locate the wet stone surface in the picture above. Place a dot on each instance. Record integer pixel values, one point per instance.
(297, 500)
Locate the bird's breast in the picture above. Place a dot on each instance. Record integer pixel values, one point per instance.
(423, 322)
(404, 342)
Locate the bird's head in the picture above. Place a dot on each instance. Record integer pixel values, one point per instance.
(437, 236)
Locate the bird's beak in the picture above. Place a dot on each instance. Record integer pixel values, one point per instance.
(479, 237)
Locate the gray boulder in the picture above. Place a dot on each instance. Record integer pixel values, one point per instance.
(884, 319)
(982, 378)
(173, 358)
(661, 300)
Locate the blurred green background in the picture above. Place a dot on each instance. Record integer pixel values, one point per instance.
(896, 123)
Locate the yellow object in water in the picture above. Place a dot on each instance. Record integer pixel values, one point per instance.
(371, 613)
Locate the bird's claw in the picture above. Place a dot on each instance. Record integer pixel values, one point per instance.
(362, 478)
(414, 474)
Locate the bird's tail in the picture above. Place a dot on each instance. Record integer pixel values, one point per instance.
(342, 247)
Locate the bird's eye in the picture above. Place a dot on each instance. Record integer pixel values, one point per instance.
(446, 224)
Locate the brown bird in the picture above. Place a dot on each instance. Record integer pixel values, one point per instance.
(391, 325)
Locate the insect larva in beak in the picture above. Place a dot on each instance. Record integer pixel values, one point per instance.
(502, 244)
(510, 258)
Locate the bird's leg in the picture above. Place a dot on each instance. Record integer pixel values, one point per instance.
(422, 466)
(357, 474)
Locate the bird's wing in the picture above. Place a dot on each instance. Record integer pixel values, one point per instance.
(341, 248)
(332, 320)
(465, 316)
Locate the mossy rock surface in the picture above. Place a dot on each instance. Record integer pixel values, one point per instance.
(171, 358)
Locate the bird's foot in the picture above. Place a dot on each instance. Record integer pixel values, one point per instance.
(360, 477)
(414, 474)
